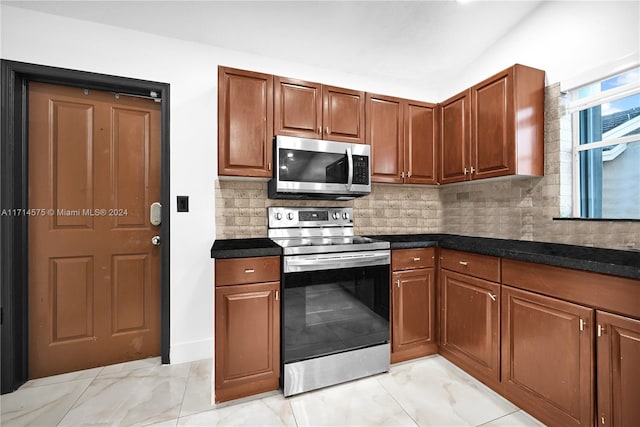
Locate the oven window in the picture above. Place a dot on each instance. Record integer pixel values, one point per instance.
(332, 311)
(313, 166)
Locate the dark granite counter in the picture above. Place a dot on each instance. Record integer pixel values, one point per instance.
(242, 248)
(597, 260)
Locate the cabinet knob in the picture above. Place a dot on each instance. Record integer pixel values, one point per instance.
(402, 174)
(326, 130)
(416, 259)
(465, 263)
(466, 171)
(492, 296)
(249, 270)
(408, 174)
(398, 282)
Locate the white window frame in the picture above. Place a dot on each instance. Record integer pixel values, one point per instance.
(574, 107)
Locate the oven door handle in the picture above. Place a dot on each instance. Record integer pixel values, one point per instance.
(293, 264)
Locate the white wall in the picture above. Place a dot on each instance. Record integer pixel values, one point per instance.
(572, 41)
(191, 70)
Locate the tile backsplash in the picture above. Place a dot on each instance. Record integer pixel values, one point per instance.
(510, 208)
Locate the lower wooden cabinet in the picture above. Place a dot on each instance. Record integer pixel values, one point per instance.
(618, 370)
(247, 326)
(548, 357)
(470, 324)
(413, 300)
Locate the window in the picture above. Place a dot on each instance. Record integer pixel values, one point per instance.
(606, 147)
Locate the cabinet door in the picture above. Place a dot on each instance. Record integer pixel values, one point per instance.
(385, 135)
(413, 309)
(547, 357)
(247, 325)
(420, 143)
(618, 366)
(245, 123)
(343, 114)
(470, 323)
(454, 139)
(297, 108)
(492, 127)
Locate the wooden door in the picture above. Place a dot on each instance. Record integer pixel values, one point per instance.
(247, 324)
(547, 357)
(470, 323)
(297, 108)
(618, 367)
(94, 275)
(245, 123)
(492, 127)
(343, 114)
(385, 135)
(420, 157)
(454, 131)
(413, 301)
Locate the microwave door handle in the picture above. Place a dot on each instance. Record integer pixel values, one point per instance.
(350, 170)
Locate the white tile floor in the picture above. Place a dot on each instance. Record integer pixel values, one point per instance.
(425, 392)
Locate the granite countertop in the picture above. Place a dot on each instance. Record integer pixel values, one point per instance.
(243, 248)
(597, 260)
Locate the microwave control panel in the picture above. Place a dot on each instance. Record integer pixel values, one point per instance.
(361, 170)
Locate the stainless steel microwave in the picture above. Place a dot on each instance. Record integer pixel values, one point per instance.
(321, 170)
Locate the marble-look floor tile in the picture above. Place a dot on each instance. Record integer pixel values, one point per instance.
(268, 411)
(358, 403)
(436, 393)
(168, 423)
(135, 397)
(63, 378)
(150, 362)
(516, 419)
(45, 405)
(197, 397)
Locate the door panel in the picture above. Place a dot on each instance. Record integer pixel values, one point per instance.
(343, 114)
(297, 108)
(94, 277)
(385, 136)
(420, 143)
(454, 139)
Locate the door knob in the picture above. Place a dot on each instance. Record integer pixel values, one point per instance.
(155, 240)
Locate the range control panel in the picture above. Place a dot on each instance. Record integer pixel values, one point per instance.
(288, 217)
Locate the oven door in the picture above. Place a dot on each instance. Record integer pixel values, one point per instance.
(332, 311)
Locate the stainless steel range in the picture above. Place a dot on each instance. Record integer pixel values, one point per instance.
(335, 299)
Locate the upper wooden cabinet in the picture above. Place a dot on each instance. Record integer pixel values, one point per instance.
(495, 128)
(402, 138)
(245, 123)
(313, 110)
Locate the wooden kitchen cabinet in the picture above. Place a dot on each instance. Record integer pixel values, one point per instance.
(313, 110)
(247, 327)
(413, 304)
(245, 123)
(402, 137)
(470, 314)
(548, 357)
(495, 128)
(618, 370)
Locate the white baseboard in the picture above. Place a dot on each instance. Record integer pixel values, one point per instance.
(191, 351)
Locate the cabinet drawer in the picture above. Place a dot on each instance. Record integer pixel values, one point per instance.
(237, 271)
(483, 266)
(409, 259)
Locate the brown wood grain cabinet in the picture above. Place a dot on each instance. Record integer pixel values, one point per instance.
(247, 327)
(495, 128)
(413, 304)
(470, 324)
(618, 370)
(402, 137)
(313, 110)
(245, 123)
(548, 357)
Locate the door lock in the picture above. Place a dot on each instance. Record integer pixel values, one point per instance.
(155, 240)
